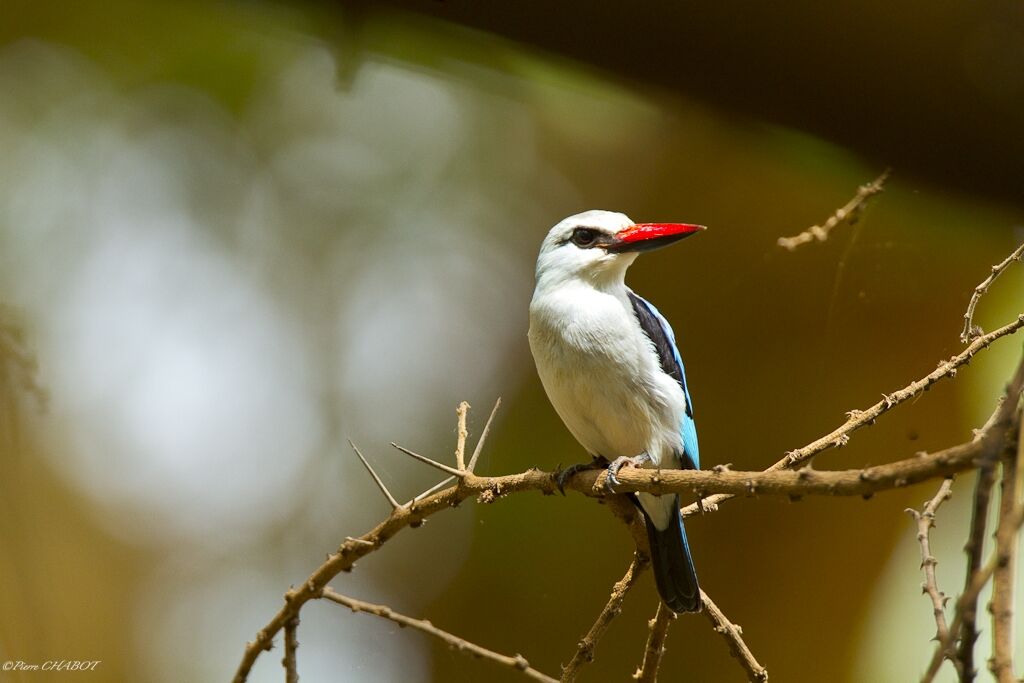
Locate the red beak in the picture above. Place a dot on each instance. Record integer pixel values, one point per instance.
(647, 236)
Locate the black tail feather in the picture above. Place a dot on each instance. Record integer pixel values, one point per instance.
(673, 568)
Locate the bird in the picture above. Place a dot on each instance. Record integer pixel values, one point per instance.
(610, 366)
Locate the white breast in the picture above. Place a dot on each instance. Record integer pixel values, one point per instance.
(602, 375)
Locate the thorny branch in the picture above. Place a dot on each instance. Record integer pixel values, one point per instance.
(655, 649)
(1001, 605)
(291, 644)
(974, 548)
(971, 331)
(859, 418)
(517, 662)
(970, 595)
(925, 521)
(993, 439)
(779, 479)
(848, 213)
(585, 648)
(733, 635)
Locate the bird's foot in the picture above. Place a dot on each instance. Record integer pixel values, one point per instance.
(618, 463)
(563, 476)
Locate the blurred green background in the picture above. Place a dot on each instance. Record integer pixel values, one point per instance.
(233, 235)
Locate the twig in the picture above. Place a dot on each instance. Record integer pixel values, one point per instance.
(733, 635)
(1001, 605)
(291, 643)
(925, 522)
(970, 595)
(860, 418)
(850, 212)
(517, 662)
(970, 331)
(343, 560)
(377, 480)
(476, 452)
(461, 434)
(585, 648)
(655, 649)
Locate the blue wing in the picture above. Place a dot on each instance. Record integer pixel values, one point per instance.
(660, 333)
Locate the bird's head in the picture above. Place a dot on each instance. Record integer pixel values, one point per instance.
(598, 246)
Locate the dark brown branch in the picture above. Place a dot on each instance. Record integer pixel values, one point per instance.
(517, 662)
(655, 648)
(848, 213)
(925, 522)
(291, 644)
(585, 648)
(733, 635)
(970, 331)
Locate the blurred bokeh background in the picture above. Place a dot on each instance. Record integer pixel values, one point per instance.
(234, 234)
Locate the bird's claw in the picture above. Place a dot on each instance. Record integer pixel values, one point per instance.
(562, 477)
(611, 481)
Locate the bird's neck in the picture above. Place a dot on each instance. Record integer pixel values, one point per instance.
(610, 280)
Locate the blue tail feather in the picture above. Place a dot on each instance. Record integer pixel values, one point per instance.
(672, 564)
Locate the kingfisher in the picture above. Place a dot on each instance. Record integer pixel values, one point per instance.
(610, 366)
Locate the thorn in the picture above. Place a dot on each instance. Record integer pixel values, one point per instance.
(433, 463)
(433, 489)
(483, 436)
(376, 479)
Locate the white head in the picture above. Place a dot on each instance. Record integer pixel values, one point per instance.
(598, 246)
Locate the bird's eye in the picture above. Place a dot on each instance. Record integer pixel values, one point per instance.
(584, 237)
